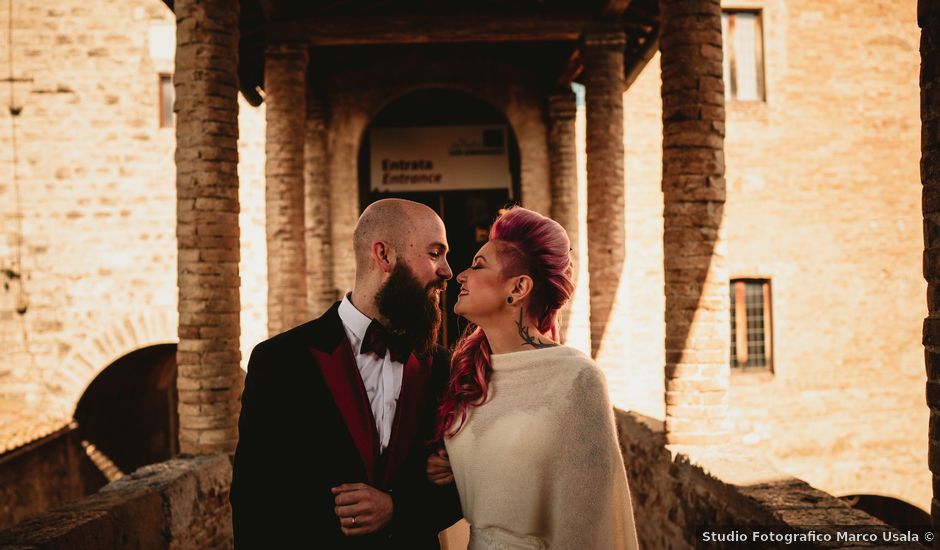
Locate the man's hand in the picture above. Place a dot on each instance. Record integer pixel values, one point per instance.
(361, 508)
(439, 471)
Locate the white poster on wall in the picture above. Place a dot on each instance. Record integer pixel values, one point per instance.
(439, 158)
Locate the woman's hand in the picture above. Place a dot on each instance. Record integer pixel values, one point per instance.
(439, 471)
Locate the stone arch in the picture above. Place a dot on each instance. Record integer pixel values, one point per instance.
(65, 386)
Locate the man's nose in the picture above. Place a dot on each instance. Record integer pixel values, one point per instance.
(445, 271)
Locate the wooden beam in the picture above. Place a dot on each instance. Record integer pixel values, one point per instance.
(371, 30)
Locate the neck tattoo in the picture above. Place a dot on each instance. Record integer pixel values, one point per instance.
(527, 339)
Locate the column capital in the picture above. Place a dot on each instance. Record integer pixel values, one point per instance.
(605, 39)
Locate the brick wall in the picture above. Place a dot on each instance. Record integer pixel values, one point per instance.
(823, 200)
(96, 180)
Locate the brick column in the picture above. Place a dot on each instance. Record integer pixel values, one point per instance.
(928, 17)
(562, 154)
(321, 291)
(285, 68)
(209, 378)
(697, 315)
(603, 81)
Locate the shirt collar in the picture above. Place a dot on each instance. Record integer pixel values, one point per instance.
(354, 319)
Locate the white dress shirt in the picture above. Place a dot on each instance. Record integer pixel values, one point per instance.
(381, 376)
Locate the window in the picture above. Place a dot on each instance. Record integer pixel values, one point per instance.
(750, 324)
(742, 34)
(166, 101)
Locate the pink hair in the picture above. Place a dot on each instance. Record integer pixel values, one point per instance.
(528, 244)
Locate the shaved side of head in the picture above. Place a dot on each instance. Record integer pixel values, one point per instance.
(389, 220)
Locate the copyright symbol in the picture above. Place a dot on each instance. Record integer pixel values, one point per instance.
(928, 536)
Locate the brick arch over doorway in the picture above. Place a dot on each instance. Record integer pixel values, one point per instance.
(466, 211)
(88, 359)
(356, 96)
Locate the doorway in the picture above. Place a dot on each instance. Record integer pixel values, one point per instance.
(129, 411)
(467, 182)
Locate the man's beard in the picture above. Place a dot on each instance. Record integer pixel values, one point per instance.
(411, 308)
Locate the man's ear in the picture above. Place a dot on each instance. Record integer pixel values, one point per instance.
(521, 288)
(383, 255)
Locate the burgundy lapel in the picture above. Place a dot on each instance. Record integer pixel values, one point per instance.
(342, 377)
(411, 402)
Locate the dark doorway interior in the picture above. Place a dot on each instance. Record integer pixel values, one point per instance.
(467, 214)
(129, 410)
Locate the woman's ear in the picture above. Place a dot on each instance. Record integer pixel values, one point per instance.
(383, 255)
(521, 288)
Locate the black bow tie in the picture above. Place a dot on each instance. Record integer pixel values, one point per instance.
(378, 339)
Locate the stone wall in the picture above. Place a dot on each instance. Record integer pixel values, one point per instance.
(44, 474)
(679, 493)
(181, 503)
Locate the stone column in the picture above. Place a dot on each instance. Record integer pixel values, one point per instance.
(321, 291)
(697, 314)
(928, 17)
(209, 377)
(606, 236)
(285, 71)
(562, 155)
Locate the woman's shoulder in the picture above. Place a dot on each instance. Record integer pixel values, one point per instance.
(586, 377)
(573, 358)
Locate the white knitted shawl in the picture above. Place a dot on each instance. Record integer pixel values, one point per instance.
(538, 465)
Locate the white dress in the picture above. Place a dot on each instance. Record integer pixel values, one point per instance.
(538, 465)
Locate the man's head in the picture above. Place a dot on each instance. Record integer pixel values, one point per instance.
(401, 267)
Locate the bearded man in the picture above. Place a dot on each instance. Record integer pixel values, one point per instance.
(337, 412)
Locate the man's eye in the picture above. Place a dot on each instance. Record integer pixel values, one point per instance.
(435, 254)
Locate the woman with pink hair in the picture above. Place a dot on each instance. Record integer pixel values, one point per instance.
(527, 423)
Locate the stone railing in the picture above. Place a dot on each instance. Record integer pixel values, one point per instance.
(181, 503)
(682, 492)
(678, 494)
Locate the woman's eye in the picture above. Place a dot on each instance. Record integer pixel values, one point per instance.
(474, 267)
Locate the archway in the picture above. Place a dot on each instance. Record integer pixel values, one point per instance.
(893, 511)
(451, 151)
(128, 412)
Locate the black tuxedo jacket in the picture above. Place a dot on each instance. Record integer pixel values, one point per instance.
(306, 426)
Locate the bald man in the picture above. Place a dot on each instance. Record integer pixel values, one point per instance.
(337, 412)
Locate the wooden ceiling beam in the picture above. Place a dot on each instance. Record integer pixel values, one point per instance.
(372, 30)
